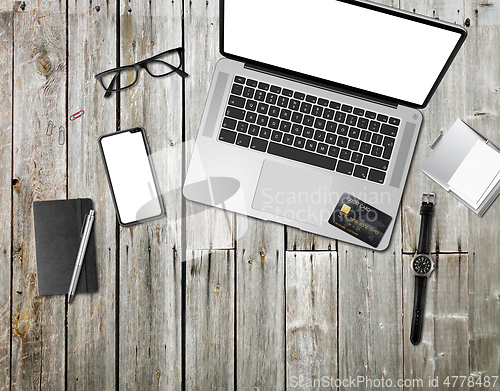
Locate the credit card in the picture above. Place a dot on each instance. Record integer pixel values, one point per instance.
(360, 220)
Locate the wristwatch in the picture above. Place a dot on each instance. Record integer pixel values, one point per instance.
(422, 266)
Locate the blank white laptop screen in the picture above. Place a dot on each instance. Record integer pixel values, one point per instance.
(340, 42)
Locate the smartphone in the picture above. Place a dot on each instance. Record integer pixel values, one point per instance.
(131, 176)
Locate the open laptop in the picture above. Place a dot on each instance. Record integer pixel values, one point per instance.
(312, 116)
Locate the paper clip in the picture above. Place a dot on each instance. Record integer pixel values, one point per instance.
(61, 135)
(76, 115)
(50, 127)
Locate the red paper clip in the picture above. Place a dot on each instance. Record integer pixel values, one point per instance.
(76, 115)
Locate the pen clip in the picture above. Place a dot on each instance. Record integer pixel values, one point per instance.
(84, 223)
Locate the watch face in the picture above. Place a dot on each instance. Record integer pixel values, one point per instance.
(422, 265)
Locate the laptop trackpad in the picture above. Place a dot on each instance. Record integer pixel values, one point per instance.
(291, 192)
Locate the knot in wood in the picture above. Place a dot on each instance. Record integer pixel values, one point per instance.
(43, 64)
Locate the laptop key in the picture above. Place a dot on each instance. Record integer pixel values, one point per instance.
(365, 148)
(370, 115)
(345, 154)
(334, 105)
(333, 151)
(299, 95)
(237, 101)
(374, 126)
(322, 148)
(258, 144)
(351, 120)
(353, 145)
(345, 167)
(382, 118)
(283, 101)
(360, 172)
(377, 151)
(276, 136)
(340, 117)
(328, 114)
(237, 89)
(319, 135)
(301, 155)
(294, 104)
(365, 135)
(273, 123)
(358, 111)
(377, 138)
(311, 99)
(356, 157)
(376, 176)
(331, 126)
(305, 107)
(259, 95)
(288, 139)
(251, 117)
(239, 79)
(331, 138)
(308, 120)
(394, 121)
(347, 108)
(227, 136)
(387, 152)
(234, 112)
(388, 141)
(342, 130)
(287, 92)
(308, 132)
(253, 130)
(297, 117)
(275, 89)
(251, 105)
(319, 123)
(252, 83)
(317, 111)
(265, 133)
(311, 145)
(229, 123)
(299, 142)
(262, 108)
(248, 92)
(271, 98)
(362, 123)
(263, 86)
(354, 132)
(262, 120)
(274, 111)
(285, 114)
(389, 130)
(322, 102)
(374, 162)
(297, 129)
(242, 127)
(243, 140)
(342, 142)
(285, 126)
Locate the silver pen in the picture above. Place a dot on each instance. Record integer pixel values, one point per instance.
(81, 254)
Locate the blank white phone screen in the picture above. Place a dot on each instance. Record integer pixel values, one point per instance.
(131, 177)
(340, 42)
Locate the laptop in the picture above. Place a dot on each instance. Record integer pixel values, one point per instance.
(313, 113)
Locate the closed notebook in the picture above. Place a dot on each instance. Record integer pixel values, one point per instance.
(58, 229)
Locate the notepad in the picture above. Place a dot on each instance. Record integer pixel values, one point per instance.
(58, 227)
(478, 173)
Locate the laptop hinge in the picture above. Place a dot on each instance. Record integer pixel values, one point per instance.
(320, 85)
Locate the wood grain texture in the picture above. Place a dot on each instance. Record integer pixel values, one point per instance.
(444, 348)
(6, 49)
(260, 305)
(150, 254)
(298, 240)
(311, 318)
(206, 228)
(483, 105)
(447, 104)
(38, 332)
(91, 317)
(210, 320)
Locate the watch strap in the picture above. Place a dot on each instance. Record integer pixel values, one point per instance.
(424, 239)
(418, 310)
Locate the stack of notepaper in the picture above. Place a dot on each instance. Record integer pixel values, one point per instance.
(467, 165)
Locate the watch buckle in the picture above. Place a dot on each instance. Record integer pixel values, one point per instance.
(428, 198)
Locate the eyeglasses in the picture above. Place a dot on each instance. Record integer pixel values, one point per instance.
(162, 64)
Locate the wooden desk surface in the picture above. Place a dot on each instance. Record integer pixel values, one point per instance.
(206, 299)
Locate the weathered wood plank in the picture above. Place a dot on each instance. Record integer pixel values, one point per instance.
(311, 318)
(448, 103)
(444, 348)
(206, 227)
(483, 81)
(150, 254)
(6, 184)
(38, 332)
(298, 240)
(260, 284)
(91, 317)
(210, 320)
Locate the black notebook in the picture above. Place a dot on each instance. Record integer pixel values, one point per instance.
(58, 229)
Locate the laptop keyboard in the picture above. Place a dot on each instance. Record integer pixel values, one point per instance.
(309, 129)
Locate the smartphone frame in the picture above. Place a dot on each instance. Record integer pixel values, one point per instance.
(153, 173)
